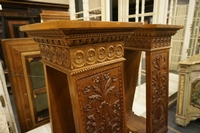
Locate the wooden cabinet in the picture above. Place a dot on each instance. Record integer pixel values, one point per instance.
(26, 75)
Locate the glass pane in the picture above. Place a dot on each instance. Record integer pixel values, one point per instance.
(36, 74)
(148, 6)
(37, 86)
(41, 106)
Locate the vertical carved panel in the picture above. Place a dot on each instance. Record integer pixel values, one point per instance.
(101, 101)
(181, 92)
(159, 91)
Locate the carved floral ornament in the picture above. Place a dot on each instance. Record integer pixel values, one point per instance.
(101, 101)
(78, 57)
(159, 86)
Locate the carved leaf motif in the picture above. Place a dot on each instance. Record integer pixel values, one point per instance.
(59, 59)
(96, 89)
(160, 92)
(100, 99)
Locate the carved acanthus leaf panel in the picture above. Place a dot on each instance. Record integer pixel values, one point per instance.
(101, 101)
(159, 90)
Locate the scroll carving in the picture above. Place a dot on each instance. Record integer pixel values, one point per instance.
(160, 91)
(101, 101)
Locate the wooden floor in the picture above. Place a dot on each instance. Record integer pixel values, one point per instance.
(140, 109)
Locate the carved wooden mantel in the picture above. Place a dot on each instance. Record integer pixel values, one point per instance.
(155, 40)
(84, 69)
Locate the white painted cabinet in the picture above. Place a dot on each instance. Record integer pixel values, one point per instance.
(7, 121)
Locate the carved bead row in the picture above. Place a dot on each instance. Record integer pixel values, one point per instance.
(96, 34)
(79, 57)
(79, 39)
(90, 39)
(147, 43)
(50, 41)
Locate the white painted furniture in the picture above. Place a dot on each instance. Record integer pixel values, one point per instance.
(188, 101)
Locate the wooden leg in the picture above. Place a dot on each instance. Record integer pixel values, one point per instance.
(135, 124)
(157, 76)
(60, 104)
(131, 75)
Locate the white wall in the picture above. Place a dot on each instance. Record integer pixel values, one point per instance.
(94, 4)
(53, 1)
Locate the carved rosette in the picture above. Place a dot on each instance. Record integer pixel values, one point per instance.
(101, 101)
(73, 58)
(102, 53)
(159, 91)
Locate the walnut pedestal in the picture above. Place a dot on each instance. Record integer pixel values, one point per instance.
(83, 62)
(155, 41)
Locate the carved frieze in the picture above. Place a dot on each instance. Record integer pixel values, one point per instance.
(79, 40)
(101, 101)
(159, 91)
(73, 58)
(153, 32)
(148, 43)
(148, 39)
